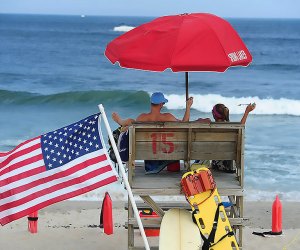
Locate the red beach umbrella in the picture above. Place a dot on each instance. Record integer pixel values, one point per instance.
(182, 43)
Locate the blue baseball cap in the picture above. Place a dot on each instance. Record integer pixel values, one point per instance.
(157, 98)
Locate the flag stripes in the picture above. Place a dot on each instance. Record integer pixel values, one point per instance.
(26, 184)
(27, 148)
(6, 190)
(15, 168)
(13, 214)
(42, 190)
(44, 180)
(22, 145)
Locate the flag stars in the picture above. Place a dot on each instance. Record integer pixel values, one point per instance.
(71, 142)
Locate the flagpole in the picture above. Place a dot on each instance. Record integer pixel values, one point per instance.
(128, 188)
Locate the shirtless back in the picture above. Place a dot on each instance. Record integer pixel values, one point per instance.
(155, 116)
(157, 102)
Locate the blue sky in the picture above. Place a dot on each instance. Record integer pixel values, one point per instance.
(224, 8)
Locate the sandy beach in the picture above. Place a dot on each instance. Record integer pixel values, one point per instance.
(73, 225)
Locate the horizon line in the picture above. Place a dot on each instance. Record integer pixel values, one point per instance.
(100, 15)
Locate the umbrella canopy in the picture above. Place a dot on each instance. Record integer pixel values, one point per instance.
(182, 43)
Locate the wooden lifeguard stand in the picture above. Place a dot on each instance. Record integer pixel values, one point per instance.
(187, 142)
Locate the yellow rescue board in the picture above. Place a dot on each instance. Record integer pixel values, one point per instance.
(206, 204)
(178, 231)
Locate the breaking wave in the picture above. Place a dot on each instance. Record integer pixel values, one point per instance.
(121, 98)
(202, 103)
(269, 106)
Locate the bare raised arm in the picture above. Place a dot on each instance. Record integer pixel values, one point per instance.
(120, 121)
(249, 108)
(187, 113)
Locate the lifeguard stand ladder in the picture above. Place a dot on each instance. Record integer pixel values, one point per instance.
(187, 142)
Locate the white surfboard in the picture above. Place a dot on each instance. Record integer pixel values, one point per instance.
(178, 231)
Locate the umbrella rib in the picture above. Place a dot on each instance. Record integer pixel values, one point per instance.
(219, 43)
(171, 61)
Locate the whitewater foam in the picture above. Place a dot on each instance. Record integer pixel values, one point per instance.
(269, 106)
(118, 193)
(123, 28)
(259, 195)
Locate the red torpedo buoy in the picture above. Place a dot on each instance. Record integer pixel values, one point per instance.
(277, 217)
(106, 219)
(32, 222)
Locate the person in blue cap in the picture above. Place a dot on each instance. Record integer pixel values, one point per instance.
(157, 100)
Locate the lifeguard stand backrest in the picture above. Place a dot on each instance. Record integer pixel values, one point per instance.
(186, 141)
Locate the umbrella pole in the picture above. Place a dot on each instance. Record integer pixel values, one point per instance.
(187, 85)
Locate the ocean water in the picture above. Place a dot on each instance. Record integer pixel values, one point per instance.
(53, 72)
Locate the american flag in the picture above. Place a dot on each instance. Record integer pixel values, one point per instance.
(53, 167)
